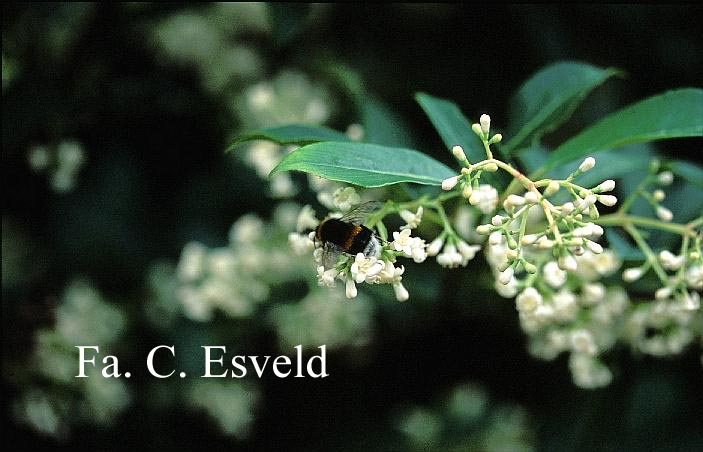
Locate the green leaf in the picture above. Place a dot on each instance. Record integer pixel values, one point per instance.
(452, 125)
(381, 124)
(689, 171)
(674, 114)
(366, 165)
(288, 20)
(547, 100)
(290, 134)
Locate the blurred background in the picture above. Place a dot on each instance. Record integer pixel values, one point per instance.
(125, 225)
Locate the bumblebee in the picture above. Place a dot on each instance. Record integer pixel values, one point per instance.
(348, 235)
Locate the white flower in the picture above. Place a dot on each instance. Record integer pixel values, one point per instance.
(449, 183)
(326, 277)
(350, 289)
(412, 220)
(248, 228)
(345, 198)
(306, 219)
(664, 214)
(300, 243)
(401, 293)
(467, 251)
(588, 372)
(434, 247)
(528, 300)
(582, 342)
(485, 198)
(485, 121)
(691, 301)
(506, 290)
(450, 258)
(592, 293)
(605, 186)
(553, 275)
(191, 264)
(390, 273)
(587, 164)
(665, 178)
(364, 267)
(403, 242)
(418, 250)
(565, 307)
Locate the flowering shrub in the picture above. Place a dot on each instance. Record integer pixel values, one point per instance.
(550, 231)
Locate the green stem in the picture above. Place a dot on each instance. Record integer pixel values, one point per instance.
(618, 219)
(651, 257)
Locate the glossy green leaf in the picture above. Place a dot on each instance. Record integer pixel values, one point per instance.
(691, 172)
(673, 114)
(452, 125)
(291, 134)
(366, 165)
(547, 100)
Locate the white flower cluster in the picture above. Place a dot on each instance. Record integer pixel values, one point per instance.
(323, 317)
(467, 420)
(82, 317)
(62, 163)
(212, 40)
(231, 404)
(236, 278)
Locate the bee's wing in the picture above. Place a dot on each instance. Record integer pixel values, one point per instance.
(358, 214)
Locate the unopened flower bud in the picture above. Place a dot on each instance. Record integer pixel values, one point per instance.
(458, 152)
(516, 200)
(665, 178)
(449, 183)
(491, 167)
(607, 185)
(664, 214)
(466, 192)
(531, 197)
(401, 293)
(608, 200)
(434, 247)
(484, 229)
(587, 164)
(506, 276)
(567, 262)
(593, 212)
(495, 238)
(511, 255)
(475, 198)
(530, 268)
(497, 220)
(567, 208)
(529, 239)
(497, 138)
(351, 289)
(477, 129)
(632, 274)
(485, 121)
(552, 188)
(596, 248)
(658, 195)
(662, 293)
